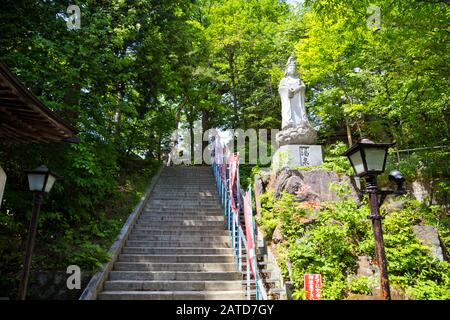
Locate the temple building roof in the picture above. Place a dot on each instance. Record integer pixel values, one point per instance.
(23, 118)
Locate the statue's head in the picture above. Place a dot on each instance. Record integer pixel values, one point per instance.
(290, 67)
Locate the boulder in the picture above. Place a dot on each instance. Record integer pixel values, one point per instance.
(420, 190)
(264, 175)
(395, 205)
(258, 191)
(365, 268)
(277, 236)
(429, 237)
(319, 181)
(308, 185)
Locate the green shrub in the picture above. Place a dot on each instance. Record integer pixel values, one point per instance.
(360, 285)
(328, 238)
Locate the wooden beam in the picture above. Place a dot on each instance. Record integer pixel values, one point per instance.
(12, 134)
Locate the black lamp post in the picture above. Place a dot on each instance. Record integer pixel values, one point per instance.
(40, 181)
(368, 160)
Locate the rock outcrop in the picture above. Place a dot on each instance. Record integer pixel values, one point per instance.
(429, 237)
(311, 185)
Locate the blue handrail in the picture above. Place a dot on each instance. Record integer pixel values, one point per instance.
(238, 237)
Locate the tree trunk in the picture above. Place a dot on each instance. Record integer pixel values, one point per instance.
(205, 126)
(349, 133)
(71, 98)
(118, 113)
(232, 65)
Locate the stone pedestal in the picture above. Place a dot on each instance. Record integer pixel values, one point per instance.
(299, 134)
(297, 155)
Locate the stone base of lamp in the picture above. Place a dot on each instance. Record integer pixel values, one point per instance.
(297, 155)
(298, 134)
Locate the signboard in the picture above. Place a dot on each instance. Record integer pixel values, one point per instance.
(304, 156)
(313, 286)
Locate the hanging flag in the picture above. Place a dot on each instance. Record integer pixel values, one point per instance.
(224, 164)
(233, 167)
(249, 230)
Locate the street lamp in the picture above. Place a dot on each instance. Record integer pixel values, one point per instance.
(368, 160)
(40, 181)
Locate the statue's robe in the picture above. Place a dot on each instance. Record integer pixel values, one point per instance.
(292, 108)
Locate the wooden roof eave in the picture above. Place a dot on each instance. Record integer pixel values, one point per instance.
(17, 100)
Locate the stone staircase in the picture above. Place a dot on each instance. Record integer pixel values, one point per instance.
(179, 248)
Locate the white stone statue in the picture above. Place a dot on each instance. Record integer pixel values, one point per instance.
(295, 127)
(292, 93)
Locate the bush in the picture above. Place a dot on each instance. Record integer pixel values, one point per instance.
(327, 239)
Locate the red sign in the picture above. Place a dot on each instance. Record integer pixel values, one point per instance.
(313, 286)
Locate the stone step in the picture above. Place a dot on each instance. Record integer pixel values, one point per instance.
(178, 237)
(172, 285)
(172, 295)
(178, 244)
(152, 217)
(199, 181)
(183, 223)
(150, 266)
(199, 212)
(184, 203)
(180, 183)
(211, 258)
(168, 189)
(220, 232)
(149, 227)
(180, 208)
(175, 194)
(176, 251)
(175, 275)
(187, 201)
(175, 209)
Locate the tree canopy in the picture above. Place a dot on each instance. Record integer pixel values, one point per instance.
(136, 70)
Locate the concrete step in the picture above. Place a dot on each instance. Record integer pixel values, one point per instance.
(154, 202)
(172, 295)
(149, 227)
(177, 212)
(183, 223)
(177, 251)
(179, 244)
(212, 194)
(210, 258)
(187, 201)
(183, 184)
(186, 267)
(168, 208)
(177, 208)
(198, 181)
(203, 194)
(175, 275)
(219, 232)
(172, 285)
(178, 237)
(172, 217)
(175, 190)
